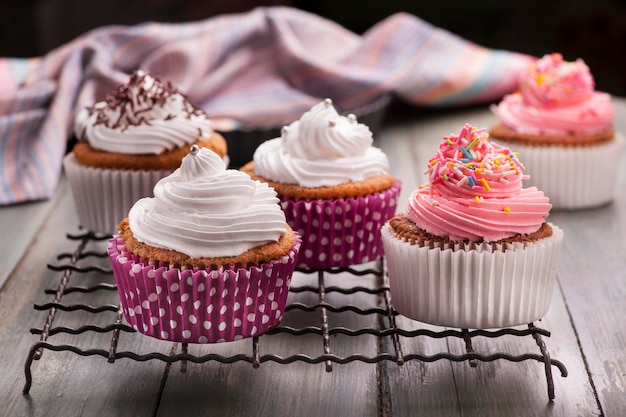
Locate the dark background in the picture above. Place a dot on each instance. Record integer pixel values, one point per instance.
(594, 30)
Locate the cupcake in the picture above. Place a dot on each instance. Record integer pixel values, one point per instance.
(129, 141)
(473, 249)
(208, 259)
(563, 129)
(334, 186)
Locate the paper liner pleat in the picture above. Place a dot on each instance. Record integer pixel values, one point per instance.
(476, 289)
(103, 197)
(341, 232)
(201, 306)
(574, 177)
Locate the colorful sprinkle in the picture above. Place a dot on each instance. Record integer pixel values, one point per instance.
(465, 158)
(462, 181)
(507, 210)
(485, 184)
(540, 79)
(474, 142)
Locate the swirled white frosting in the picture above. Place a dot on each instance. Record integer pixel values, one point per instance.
(321, 149)
(204, 210)
(146, 116)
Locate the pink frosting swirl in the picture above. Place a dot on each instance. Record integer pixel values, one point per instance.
(475, 192)
(557, 97)
(553, 82)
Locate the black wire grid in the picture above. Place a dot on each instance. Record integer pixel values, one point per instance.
(384, 309)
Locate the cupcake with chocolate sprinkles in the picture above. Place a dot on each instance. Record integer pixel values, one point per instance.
(473, 249)
(334, 186)
(208, 259)
(129, 141)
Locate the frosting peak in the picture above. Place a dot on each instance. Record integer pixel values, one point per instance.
(322, 133)
(557, 97)
(203, 163)
(204, 210)
(553, 82)
(144, 116)
(322, 148)
(469, 165)
(475, 192)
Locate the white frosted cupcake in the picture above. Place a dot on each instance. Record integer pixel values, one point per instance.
(473, 249)
(208, 259)
(563, 130)
(334, 186)
(129, 141)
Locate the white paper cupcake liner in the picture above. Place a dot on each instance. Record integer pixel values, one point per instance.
(103, 197)
(479, 288)
(574, 177)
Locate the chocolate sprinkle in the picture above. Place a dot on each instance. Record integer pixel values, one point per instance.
(131, 107)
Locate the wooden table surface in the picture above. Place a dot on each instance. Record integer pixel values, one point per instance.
(587, 321)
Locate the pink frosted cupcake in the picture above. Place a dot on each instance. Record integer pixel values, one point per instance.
(473, 249)
(128, 142)
(335, 187)
(208, 259)
(563, 130)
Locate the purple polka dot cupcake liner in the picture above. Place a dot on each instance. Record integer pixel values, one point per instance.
(203, 305)
(342, 232)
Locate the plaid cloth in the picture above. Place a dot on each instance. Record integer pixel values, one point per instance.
(257, 69)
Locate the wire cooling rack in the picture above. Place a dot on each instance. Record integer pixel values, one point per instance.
(85, 260)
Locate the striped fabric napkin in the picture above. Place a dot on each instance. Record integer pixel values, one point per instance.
(262, 68)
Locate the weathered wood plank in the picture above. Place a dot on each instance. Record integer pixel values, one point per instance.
(592, 275)
(20, 224)
(503, 388)
(421, 388)
(63, 382)
(593, 280)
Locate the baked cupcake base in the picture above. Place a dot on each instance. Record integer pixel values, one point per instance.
(103, 196)
(574, 177)
(201, 305)
(487, 286)
(167, 160)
